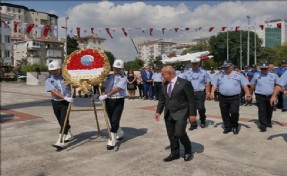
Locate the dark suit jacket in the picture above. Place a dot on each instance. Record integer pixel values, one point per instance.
(145, 78)
(181, 104)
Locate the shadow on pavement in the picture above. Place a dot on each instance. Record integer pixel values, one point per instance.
(90, 136)
(45, 102)
(283, 135)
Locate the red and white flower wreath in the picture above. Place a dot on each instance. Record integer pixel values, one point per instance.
(85, 67)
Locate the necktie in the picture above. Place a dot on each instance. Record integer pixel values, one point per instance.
(147, 74)
(169, 89)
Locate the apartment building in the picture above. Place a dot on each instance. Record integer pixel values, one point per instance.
(23, 15)
(152, 49)
(5, 39)
(91, 41)
(39, 50)
(275, 36)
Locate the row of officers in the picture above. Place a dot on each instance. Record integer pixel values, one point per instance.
(229, 84)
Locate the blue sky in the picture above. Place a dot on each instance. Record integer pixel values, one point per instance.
(156, 14)
(61, 7)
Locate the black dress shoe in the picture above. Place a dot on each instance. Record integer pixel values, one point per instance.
(235, 130)
(192, 127)
(188, 156)
(269, 125)
(202, 125)
(284, 110)
(226, 130)
(171, 157)
(109, 147)
(262, 128)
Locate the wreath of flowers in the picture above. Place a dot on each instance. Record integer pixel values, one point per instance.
(73, 62)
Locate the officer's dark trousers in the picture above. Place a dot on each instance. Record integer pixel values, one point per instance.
(157, 89)
(200, 99)
(229, 107)
(176, 132)
(140, 87)
(114, 109)
(280, 100)
(265, 110)
(60, 111)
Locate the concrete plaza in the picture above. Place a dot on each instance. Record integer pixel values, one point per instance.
(29, 127)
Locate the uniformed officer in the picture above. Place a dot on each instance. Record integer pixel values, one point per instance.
(201, 84)
(114, 89)
(157, 82)
(181, 72)
(229, 83)
(281, 83)
(282, 98)
(61, 97)
(250, 74)
(216, 93)
(263, 83)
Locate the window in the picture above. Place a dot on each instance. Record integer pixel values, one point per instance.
(7, 53)
(7, 39)
(99, 42)
(8, 9)
(19, 10)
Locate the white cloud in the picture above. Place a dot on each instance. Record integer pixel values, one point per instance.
(138, 14)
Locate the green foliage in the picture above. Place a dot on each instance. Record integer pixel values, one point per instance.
(134, 65)
(218, 46)
(32, 68)
(72, 45)
(111, 58)
(273, 55)
(21, 62)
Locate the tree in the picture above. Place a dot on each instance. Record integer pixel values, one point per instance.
(134, 65)
(72, 45)
(111, 58)
(218, 46)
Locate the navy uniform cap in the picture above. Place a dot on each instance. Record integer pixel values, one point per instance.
(254, 65)
(283, 62)
(264, 65)
(227, 63)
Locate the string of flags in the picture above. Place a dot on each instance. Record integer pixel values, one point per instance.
(78, 32)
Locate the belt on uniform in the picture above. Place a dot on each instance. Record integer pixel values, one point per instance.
(58, 99)
(116, 97)
(267, 96)
(229, 96)
(198, 90)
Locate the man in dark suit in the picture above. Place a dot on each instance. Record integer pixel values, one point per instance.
(178, 101)
(147, 82)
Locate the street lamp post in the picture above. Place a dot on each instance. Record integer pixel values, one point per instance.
(227, 53)
(248, 18)
(255, 57)
(66, 34)
(240, 49)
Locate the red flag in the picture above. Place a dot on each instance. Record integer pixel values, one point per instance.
(29, 28)
(46, 30)
(210, 29)
(15, 26)
(223, 28)
(150, 31)
(78, 32)
(124, 31)
(108, 31)
(279, 25)
(187, 29)
(92, 30)
(236, 28)
(197, 29)
(163, 29)
(64, 27)
(261, 26)
(175, 29)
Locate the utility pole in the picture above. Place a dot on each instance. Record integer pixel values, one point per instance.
(248, 18)
(66, 42)
(240, 49)
(255, 57)
(227, 53)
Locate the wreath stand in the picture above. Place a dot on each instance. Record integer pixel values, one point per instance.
(95, 113)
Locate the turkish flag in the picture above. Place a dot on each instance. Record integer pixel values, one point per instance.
(29, 28)
(78, 32)
(237, 28)
(210, 29)
(16, 26)
(261, 26)
(124, 31)
(150, 31)
(279, 25)
(92, 30)
(46, 30)
(223, 28)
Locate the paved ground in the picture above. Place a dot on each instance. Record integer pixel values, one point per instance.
(29, 128)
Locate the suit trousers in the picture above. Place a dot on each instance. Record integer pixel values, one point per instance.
(176, 132)
(114, 109)
(265, 110)
(60, 111)
(200, 99)
(229, 107)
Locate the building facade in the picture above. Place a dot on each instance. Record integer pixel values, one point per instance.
(151, 49)
(39, 50)
(5, 39)
(92, 41)
(23, 15)
(275, 36)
